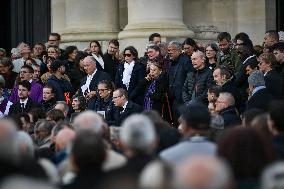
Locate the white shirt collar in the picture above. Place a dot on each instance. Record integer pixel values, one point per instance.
(31, 80)
(24, 102)
(124, 106)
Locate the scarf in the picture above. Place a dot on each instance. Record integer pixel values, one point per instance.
(128, 68)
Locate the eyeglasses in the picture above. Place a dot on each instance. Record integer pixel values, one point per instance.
(101, 90)
(115, 97)
(127, 55)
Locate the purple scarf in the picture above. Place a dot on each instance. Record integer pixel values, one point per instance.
(147, 99)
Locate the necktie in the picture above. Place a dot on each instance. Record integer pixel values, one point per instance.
(22, 107)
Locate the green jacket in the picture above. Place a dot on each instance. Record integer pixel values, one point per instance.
(229, 59)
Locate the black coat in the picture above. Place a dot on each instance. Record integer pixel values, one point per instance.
(138, 74)
(111, 65)
(230, 87)
(48, 105)
(230, 116)
(177, 75)
(273, 83)
(197, 82)
(16, 108)
(60, 86)
(260, 100)
(99, 76)
(158, 96)
(131, 108)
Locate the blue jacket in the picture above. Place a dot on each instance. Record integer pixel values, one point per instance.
(60, 86)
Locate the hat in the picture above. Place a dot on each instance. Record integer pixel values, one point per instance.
(196, 115)
(256, 79)
(56, 64)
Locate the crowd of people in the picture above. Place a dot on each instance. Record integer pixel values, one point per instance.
(184, 115)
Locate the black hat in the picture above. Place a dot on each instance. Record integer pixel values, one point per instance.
(56, 64)
(196, 115)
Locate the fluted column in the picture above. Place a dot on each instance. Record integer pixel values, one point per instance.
(87, 20)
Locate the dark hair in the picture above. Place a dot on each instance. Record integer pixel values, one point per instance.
(32, 60)
(79, 56)
(99, 45)
(278, 46)
(88, 151)
(69, 50)
(154, 46)
(49, 87)
(114, 42)
(82, 101)
(151, 37)
(250, 114)
(55, 115)
(37, 113)
(224, 70)
(224, 35)
(241, 36)
(109, 84)
(215, 89)
(273, 34)
(133, 51)
(191, 42)
(241, 147)
(123, 92)
(214, 46)
(47, 125)
(57, 35)
(7, 62)
(252, 64)
(258, 50)
(276, 109)
(25, 84)
(31, 70)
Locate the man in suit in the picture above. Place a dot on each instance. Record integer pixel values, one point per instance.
(260, 97)
(89, 83)
(124, 107)
(25, 104)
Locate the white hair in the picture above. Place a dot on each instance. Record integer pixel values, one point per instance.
(273, 176)
(138, 133)
(88, 120)
(25, 144)
(228, 97)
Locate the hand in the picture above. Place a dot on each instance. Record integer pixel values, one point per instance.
(91, 95)
(148, 77)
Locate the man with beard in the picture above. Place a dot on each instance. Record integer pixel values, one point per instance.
(61, 86)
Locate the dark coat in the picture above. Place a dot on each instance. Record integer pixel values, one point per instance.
(99, 76)
(230, 87)
(131, 108)
(158, 97)
(60, 86)
(197, 82)
(230, 116)
(260, 100)
(48, 105)
(273, 83)
(111, 65)
(16, 108)
(138, 74)
(177, 75)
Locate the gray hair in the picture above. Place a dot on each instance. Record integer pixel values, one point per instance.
(228, 97)
(25, 144)
(273, 176)
(88, 120)
(177, 44)
(138, 133)
(2, 80)
(65, 105)
(200, 54)
(214, 173)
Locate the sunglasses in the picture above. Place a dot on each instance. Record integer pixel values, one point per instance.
(128, 55)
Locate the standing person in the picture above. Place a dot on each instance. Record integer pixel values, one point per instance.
(103, 104)
(25, 103)
(273, 80)
(3, 101)
(227, 54)
(111, 59)
(96, 52)
(180, 66)
(189, 46)
(278, 51)
(89, 84)
(61, 86)
(198, 81)
(35, 93)
(6, 70)
(154, 86)
(270, 38)
(39, 50)
(124, 106)
(70, 54)
(130, 73)
(48, 100)
(211, 51)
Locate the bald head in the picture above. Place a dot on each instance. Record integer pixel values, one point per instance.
(203, 172)
(63, 138)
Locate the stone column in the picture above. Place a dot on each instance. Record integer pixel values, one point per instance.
(149, 16)
(88, 20)
(58, 16)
